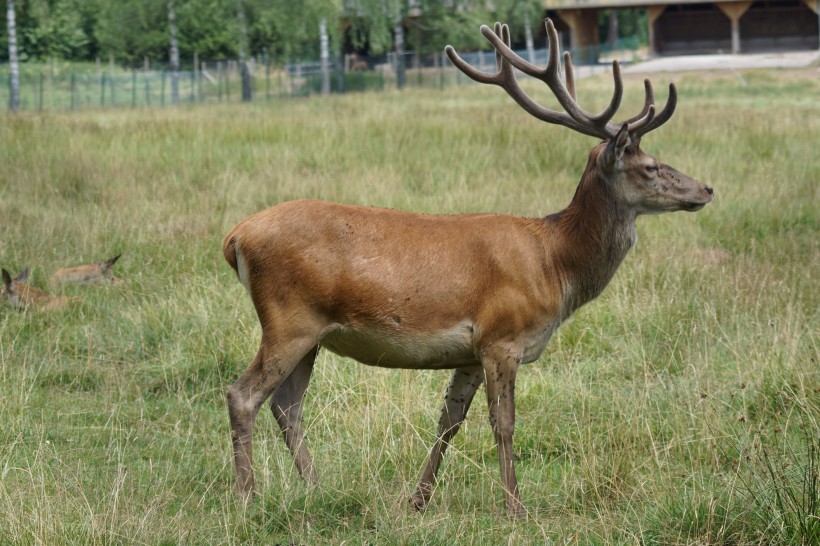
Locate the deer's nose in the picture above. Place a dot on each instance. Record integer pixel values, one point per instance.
(709, 190)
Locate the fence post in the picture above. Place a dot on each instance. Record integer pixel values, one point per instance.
(52, 102)
(147, 88)
(162, 90)
(133, 89)
(201, 86)
(228, 82)
(194, 78)
(440, 62)
(113, 80)
(73, 91)
(219, 81)
(42, 81)
(267, 75)
(88, 80)
(102, 88)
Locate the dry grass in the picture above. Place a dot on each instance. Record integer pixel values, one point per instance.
(655, 416)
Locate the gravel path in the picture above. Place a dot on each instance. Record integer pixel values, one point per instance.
(786, 59)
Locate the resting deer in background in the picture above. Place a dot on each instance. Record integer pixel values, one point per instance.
(87, 274)
(478, 293)
(23, 296)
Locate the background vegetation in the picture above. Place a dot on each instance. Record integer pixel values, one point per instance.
(131, 32)
(680, 407)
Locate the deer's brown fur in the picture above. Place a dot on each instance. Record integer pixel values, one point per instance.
(95, 273)
(23, 296)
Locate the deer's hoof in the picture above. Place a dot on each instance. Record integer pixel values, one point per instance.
(517, 512)
(418, 502)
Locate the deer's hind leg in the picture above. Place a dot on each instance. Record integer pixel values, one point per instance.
(460, 393)
(286, 405)
(278, 356)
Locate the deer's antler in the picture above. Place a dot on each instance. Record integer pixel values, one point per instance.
(573, 116)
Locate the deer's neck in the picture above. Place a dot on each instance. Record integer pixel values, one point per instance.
(595, 232)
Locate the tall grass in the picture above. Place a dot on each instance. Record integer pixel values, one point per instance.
(680, 407)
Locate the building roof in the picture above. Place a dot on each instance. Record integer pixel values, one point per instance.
(580, 4)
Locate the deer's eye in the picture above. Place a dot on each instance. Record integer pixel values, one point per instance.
(651, 169)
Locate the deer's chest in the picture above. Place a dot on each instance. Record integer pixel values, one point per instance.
(534, 342)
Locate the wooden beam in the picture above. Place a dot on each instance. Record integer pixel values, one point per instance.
(652, 15)
(734, 10)
(583, 32)
(654, 12)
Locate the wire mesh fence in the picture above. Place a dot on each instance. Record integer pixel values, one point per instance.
(49, 87)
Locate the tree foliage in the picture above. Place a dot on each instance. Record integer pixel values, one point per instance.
(132, 31)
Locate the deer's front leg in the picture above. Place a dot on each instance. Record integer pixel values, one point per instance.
(457, 401)
(499, 374)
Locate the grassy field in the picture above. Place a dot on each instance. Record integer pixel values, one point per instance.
(683, 406)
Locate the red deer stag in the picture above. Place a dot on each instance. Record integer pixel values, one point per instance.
(478, 293)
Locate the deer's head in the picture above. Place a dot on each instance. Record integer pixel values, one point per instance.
(14, 290)
(634, 178)
(643, 183)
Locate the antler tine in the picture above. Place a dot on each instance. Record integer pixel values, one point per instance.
(646, 115)
(617, 94)
(600, 121)
(573, 116)
(505, 78)
(470, 71)
(498, 28)
(648, 101)
(502, 49)
(662, 116)
(501, 77)
(597, 125)
(569, 77)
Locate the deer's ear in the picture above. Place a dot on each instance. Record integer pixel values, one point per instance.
(6, 279)
(108, 263)
(23, 275)
(617, 146)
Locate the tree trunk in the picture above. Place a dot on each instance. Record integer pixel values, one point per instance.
(398, 41)
(243, 52)
(172, 29)
(325, 56)
(14, 67)
(528, 38)
(612, 31)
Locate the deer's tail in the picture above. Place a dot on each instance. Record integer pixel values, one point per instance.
(229, 250)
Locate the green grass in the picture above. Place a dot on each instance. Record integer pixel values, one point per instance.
(680, 407)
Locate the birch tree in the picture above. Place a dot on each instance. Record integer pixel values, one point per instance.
(14, 67)
(172, 30)
(324, 56)
(243, 51)
(398, 44)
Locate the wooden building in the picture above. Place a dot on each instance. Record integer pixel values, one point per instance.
(697, 26)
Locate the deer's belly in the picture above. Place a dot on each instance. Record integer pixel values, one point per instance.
(450, 348)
